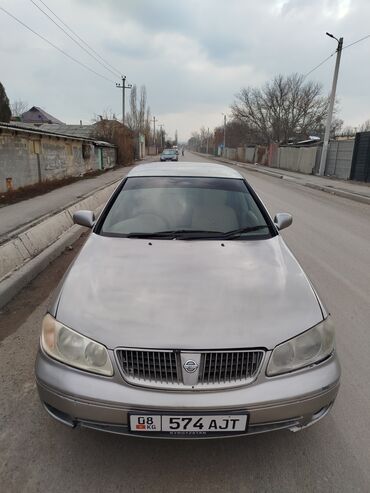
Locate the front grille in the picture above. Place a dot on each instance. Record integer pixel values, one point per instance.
(163, 369)
(151, 366)
(234, 366)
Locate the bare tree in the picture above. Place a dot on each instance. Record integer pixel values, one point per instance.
(336, 127)
(147, 125)
(194, 143)
(138, 120)
(142, 109)
(282, 108)
(365, 127)
(348, 131)
(201, 140)
(18, 107)
(107, 114)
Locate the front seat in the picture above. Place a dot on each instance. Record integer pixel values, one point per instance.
(210, 216)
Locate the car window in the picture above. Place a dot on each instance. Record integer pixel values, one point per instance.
(164, 204)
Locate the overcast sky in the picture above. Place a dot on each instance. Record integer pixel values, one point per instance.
(192, 55)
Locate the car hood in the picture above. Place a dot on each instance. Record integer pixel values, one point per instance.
(187, 294)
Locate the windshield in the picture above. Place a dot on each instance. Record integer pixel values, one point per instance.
(169, 151)
(186, 208)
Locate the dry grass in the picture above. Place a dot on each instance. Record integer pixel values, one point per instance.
(23, 193)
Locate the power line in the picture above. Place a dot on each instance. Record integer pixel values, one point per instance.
(326, 59)
(56, 47)
(319, 65)
(358, 41)
(74, 40)
(118, 72)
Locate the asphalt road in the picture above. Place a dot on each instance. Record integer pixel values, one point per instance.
(331, 238)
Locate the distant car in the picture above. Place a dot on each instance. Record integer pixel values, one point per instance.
(218, 333)
(169, 155)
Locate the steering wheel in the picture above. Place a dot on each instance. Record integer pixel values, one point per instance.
(150, 214)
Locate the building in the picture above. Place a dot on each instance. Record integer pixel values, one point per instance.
(38, 116)
(30, 155)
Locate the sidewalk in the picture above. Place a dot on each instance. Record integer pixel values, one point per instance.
(360, 192)
(16, 217)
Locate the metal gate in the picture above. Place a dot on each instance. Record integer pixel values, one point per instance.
(360, 170)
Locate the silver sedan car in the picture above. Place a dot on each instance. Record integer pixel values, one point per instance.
(185, 315)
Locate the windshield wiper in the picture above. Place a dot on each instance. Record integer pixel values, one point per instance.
(236, 233)
(219, 235)
(193, 234)
(176, 233)
(158, 234)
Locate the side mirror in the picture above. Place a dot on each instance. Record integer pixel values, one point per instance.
(283, 220)
(84, 218)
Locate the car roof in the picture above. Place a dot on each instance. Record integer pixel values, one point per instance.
(183, 168)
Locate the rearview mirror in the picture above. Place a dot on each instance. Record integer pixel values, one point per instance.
(84, 218)
(283, 220)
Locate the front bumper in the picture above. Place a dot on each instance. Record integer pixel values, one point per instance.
(293, 401)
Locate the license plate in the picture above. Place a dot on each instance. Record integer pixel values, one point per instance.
(188, 424)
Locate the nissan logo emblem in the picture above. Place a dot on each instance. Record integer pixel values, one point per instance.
(190, 366)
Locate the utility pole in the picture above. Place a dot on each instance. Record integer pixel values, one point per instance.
(207, 138)
(223, 150)
(324, 151)
(123, 87)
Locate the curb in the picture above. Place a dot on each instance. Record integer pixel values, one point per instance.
(24, 256)
(300, 181)
(11, 285)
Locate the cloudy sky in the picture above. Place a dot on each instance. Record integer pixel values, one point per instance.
(193, 56)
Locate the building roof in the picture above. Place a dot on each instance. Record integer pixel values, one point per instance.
(38, 115)
(78, 131)
(86, 131)
(185, 169)
(37, 130)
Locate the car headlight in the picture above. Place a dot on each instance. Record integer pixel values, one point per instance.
(312, 346)
(69, 347)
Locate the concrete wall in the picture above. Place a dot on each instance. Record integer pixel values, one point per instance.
(301, 159)
(249, 154)
(230, 153)
(339, 159)
(16, 162)
(29, 159)
(240, 154)
(246, 154)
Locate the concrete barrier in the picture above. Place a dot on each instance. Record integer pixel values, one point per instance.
(25, 255)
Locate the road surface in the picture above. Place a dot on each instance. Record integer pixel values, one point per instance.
(331, 238)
